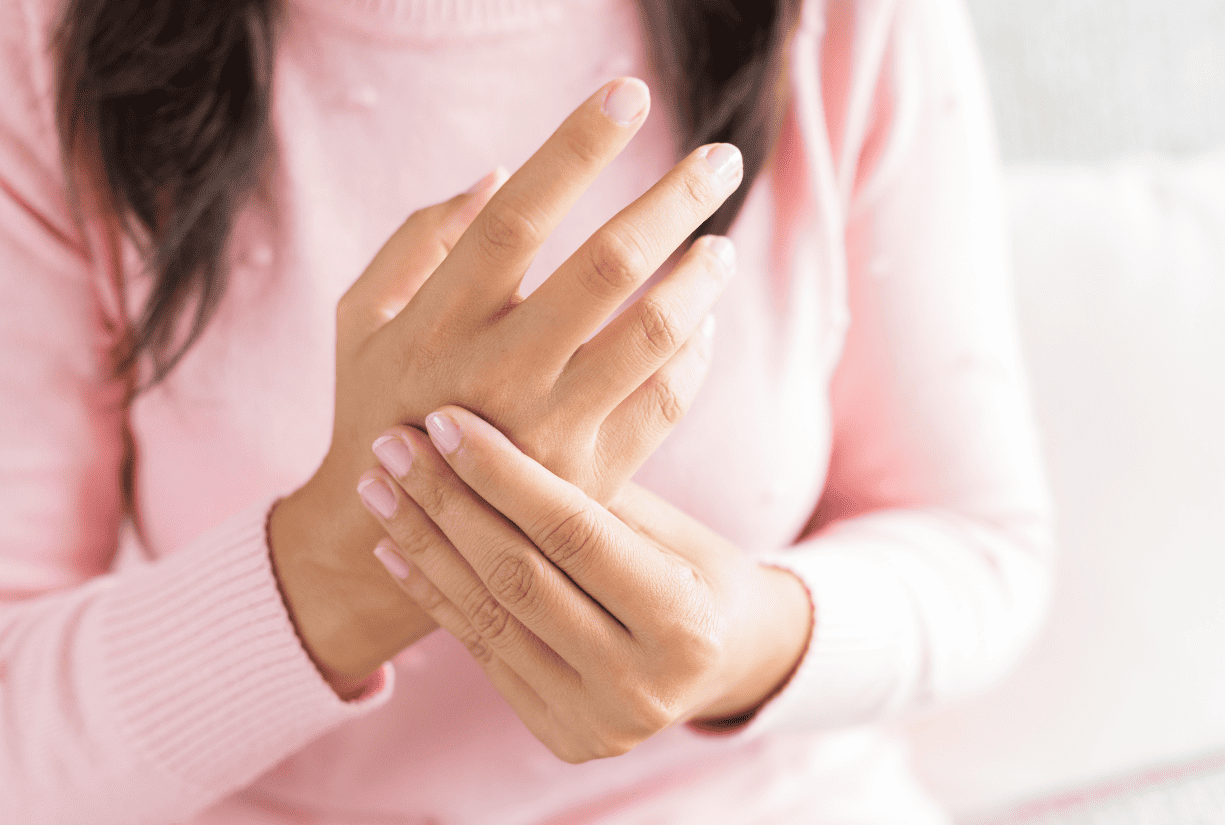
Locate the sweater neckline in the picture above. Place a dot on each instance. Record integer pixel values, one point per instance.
(438, 20)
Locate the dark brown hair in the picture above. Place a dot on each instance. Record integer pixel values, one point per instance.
(162, 109)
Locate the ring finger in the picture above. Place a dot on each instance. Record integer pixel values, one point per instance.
(606, 270)
(639, 341)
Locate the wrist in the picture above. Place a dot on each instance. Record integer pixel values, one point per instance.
(781, 623)
(348, 615)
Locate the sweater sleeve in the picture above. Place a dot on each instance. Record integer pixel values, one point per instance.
(929, 558)
(136, 696)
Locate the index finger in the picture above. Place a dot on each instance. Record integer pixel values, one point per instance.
(489, 261)
(594, 548)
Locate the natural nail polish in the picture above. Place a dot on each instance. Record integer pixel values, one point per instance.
(726, 161)
(391, 560)
(484, 183)
(378, 497)
(626, 101)
(394, 454)
(443, 432)
(723, 249)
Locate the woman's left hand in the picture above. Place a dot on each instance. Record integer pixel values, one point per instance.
(599, 626)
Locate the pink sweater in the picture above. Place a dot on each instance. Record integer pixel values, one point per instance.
(865, 356)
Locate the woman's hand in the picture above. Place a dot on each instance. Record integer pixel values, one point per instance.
(437, 318)
(599, 626)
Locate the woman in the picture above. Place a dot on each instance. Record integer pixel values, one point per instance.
(856, 522)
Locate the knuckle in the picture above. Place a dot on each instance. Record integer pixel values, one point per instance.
(432, 345)
(475, 643)
(696, 189)
(486, 615)
(660, 332)
(648, 704)
(700, 652)
(513, 581)
(421, 214)
(430, 492)
(616, 264)
(505, 233)
(570, 539)
(696, 646)
(649, 718)
(668, 402)
(414, 541)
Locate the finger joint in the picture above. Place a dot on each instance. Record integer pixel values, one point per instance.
(616, 265)
(696, 189)
(571, 539)
(669, 404)
(506, 233)
(476, 646)
(660, 332)
(487, 615)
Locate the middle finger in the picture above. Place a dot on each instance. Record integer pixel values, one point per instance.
(623, 254)
(510, 568)
(489, 261)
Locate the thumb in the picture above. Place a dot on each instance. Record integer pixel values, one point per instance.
(408, 257)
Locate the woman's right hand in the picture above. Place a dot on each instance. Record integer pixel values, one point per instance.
(589, 410)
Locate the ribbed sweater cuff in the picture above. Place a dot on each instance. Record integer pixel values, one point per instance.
(208, 676)
(863, 657)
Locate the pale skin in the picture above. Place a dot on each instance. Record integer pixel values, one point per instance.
(437, 319)
(601, 626)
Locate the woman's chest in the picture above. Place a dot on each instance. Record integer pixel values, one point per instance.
(360, 145)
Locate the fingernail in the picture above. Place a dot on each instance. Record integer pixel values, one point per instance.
(483, 184)
(724, 250)
(443, 432)
(725, 159)
(626, 101)
(394, 454)
(378, 497)
(391, 560)
(708, 327)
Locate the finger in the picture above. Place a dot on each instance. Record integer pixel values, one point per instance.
(622, 255)
(638, 342)
(639, 424)
(420, 542)
(408, 257)
(498, 579)
(438, 607)
(590, 545)
(431, 553)
(518, 693)
(489, 260)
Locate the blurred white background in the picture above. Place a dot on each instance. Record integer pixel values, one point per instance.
(1111, 116)
(1086, 79)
